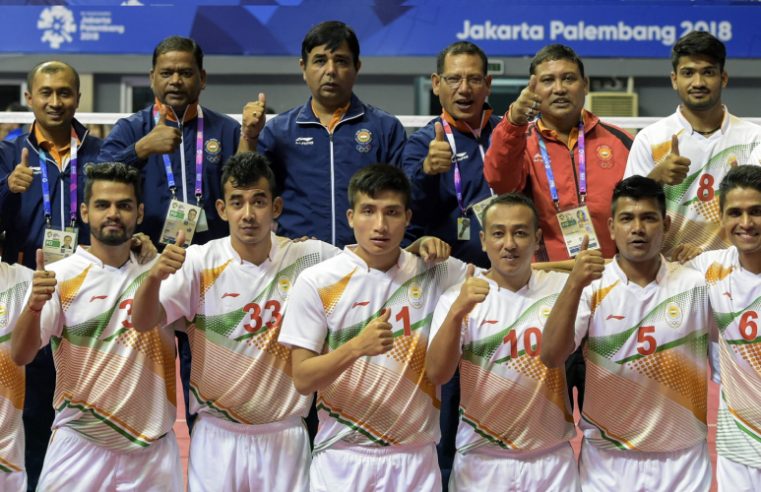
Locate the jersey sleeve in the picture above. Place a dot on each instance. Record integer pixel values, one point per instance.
(640, 160)
(179, 294)
(304, 323)
(442, 310)
(583, 316)
(455, 272)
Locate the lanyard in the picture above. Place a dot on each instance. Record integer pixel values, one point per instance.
(551, 176)
(46, 206)
(199, 158)
(457, 176)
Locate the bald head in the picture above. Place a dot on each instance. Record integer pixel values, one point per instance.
(51, 67)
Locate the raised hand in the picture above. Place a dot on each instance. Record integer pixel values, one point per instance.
(588, 265)
(376, 338)
(43, 285)
(527, 105)
(473, 291)
(673, 168)
(21, 177)
(171, 259)
(254, 117)
(439, 158)
(162, 139)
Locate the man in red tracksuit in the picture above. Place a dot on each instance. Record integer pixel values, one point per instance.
(551, 110)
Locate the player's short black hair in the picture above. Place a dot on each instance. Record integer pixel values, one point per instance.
(699, 43)
(332, 34)
(745, 176)
(50, 67)
(512, 199)
(639, 187)
(178, 43)
(461, 48)
(553, 52)
(377, 178)
(113, 171)
(245, 169)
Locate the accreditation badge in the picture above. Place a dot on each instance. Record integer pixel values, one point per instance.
(463, 229)
(57, 245)
(575, 223)
(181, 216)
(478, 209)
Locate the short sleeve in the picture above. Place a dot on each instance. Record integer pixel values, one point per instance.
(179, 294)
(442, 310)
(583, 316)
(304, 323)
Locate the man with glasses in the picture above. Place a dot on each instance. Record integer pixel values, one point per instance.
(444, 161)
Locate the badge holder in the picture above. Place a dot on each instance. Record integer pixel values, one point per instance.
(575, 223)
(181, 216)
(463, 229)
(58, 245)
(478, 209)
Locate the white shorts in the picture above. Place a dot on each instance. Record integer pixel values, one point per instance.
(13, 481)
(346, 467)
(225, 456)
(74, 463)
(553, 469)
(736, 477)
(687, 470)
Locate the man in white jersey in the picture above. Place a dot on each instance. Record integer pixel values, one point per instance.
(644, 324)
(515, 418)
(690, 151)
(734, 288)
(14, 280)
(232, 293)
(358, 324)
(115, 386)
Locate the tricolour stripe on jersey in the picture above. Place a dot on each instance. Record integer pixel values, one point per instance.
(8, 467)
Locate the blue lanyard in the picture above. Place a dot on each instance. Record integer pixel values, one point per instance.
(199, 158)
(73, 205)
(551, 175)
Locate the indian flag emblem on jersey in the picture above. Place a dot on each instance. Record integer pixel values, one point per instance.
(283, 286)
(415, 294)
(543, 313)
(673, 315)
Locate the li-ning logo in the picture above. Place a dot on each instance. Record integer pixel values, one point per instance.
(57, 24)
(305, 141)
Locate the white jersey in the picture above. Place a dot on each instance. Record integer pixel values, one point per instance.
(115, 386)
(694, 204)
(14, 281)
(646, 350)
(509, 399)
(384, 400)
(735, 295)
(239, 372)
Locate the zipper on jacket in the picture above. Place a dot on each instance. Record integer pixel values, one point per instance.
(182, 154)
(332, 192)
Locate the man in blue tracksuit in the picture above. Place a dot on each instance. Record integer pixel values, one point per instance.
(178, 127)
(316, 148)
(170, 127)
(53, 95)
(453, 145)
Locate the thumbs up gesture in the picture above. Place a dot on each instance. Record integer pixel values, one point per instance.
(162, 139)
(43, 285)
(254, 117)
(673, 168)
(526, 107)
(588, 265)
(473, 291)
(21, 177)
(170, 260)
(376, 337)
(439, 158)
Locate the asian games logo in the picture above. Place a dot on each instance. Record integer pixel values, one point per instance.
(58, 25)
